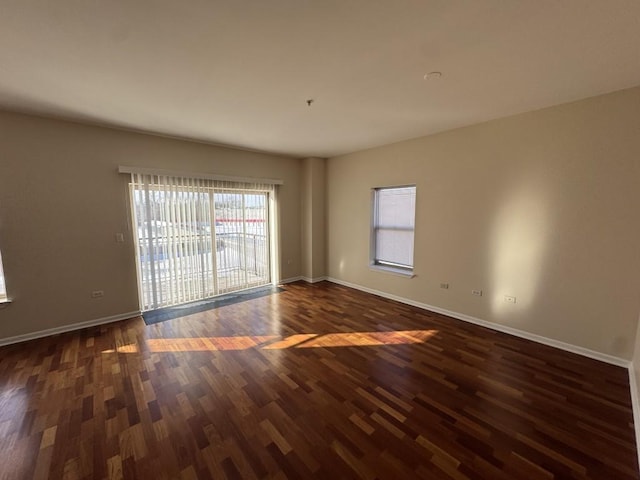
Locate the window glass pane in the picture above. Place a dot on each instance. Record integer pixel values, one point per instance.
(3, 289)
(197, 240)
(394, 225)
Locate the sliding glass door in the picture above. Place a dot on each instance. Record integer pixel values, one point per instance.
(196, 239)
(242, 234)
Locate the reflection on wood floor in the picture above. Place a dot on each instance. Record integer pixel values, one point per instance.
(318, 381)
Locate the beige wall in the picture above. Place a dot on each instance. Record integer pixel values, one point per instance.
(62, 202)
(543, 206)
(313, 202)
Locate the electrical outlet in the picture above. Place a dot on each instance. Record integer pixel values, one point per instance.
(509, 299)
(120, 237)
(444, 285)
(477, 293)
(97, 294)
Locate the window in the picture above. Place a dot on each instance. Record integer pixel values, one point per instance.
(393, 225)
(3, 288)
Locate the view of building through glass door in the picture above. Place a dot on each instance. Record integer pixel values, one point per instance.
(196, 240)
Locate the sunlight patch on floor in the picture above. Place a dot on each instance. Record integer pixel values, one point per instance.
(275, 342)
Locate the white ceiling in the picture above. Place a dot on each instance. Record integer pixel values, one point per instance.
(239, 72)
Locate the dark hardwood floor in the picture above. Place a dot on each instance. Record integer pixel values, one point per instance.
(318, 381)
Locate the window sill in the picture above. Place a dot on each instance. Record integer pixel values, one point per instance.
(4, 301)
(400, 272)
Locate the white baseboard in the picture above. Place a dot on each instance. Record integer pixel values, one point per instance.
(290, 280)
(603, 357)
(635, 405)
(67, 328)
(303, 278)
(314, 280)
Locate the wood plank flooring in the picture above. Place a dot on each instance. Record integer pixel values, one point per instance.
(319, 381)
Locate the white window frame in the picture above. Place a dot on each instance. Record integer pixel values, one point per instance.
(375, 263)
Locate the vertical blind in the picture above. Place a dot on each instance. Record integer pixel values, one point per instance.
(393, 226)
(197, 238)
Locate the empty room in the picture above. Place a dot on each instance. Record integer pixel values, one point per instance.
(304, 239)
